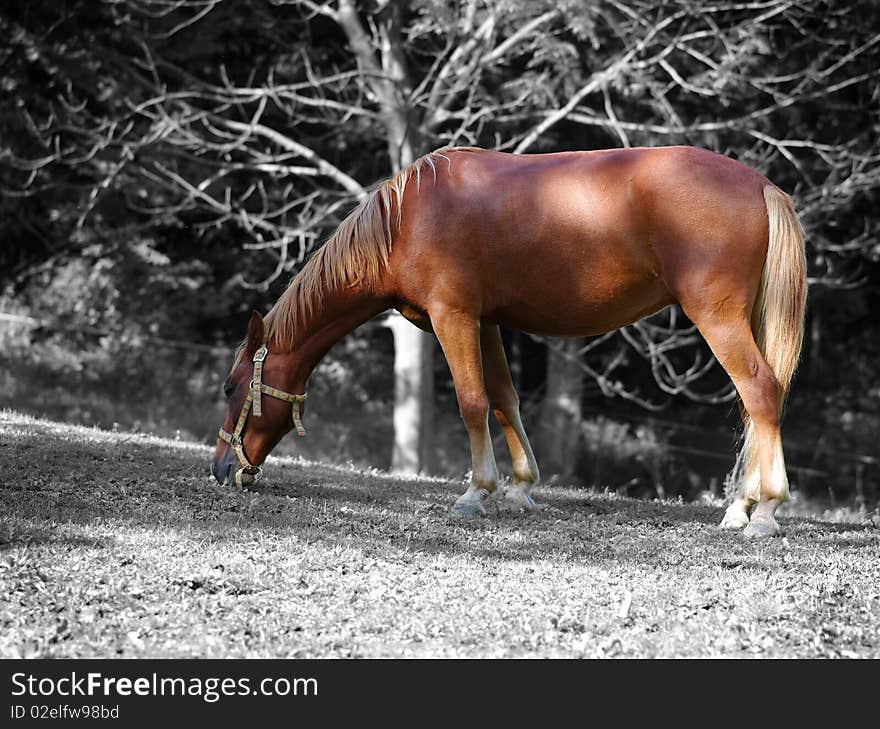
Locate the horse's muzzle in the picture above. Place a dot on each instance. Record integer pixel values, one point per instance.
(227, 471)
(221, 469)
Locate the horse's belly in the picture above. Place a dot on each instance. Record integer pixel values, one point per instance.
(577, 311)
(576, 284)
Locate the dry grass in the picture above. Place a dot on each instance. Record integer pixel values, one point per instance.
(118, 545)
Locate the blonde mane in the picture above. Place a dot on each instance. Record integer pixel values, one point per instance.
(357, 253)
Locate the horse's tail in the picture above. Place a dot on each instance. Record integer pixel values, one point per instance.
(778, 314)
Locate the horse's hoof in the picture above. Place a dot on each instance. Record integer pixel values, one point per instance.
(470, 503)
(516, 500)
(734, 518)
(762, 526)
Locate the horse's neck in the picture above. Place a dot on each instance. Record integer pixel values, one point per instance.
(329, 320)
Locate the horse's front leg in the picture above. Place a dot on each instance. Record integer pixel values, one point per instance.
(505, 403)
(459, 335)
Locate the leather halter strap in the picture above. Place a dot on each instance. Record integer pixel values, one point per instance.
(253, 401)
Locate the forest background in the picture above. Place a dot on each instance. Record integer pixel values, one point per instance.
(167, 165)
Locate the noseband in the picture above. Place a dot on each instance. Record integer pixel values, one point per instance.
(254, 398)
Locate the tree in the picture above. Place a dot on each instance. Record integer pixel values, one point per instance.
(255, 125)
(755, 81)
(264, 144)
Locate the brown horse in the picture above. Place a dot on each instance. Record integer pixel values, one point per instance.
(569, 244)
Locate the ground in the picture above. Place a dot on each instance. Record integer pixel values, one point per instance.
(121, 545)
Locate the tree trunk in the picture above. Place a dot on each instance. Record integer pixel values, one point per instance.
(413, 349)
(561, 411)
(413, 372)
(413, 397)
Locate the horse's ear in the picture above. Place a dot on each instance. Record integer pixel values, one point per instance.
(256, 333)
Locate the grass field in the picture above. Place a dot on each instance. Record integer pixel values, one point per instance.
(120, 545)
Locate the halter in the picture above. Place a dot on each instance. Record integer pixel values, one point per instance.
(255, 390)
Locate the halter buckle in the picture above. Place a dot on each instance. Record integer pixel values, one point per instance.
(255, 472)
(261, 354)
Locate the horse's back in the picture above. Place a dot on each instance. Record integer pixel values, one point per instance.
(580, 242)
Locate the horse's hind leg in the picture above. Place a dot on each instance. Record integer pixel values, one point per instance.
(766, 483)
(505, 403)
(459, 335)
(737, 514)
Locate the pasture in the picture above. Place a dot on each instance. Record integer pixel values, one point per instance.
(121, 545)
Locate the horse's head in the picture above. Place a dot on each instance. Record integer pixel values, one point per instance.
(261, 409)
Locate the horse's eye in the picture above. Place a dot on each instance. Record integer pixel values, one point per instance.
(228, 389)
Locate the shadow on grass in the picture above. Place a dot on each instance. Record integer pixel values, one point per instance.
(88, 487)
(659, 513)
(23, 533)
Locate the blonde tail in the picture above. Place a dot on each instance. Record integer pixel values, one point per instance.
(777, 319)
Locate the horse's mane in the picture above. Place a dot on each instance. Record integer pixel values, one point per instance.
(357, 253)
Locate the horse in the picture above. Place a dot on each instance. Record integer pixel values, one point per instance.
(465, 240)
